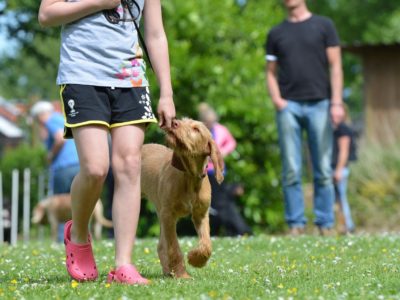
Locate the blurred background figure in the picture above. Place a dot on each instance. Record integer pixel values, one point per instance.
(305, 81)
(5, 213)
(223, 211)
(344, 151)
(62, 156)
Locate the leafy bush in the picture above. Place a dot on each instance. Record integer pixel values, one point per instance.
(24, 156)
(374, 191)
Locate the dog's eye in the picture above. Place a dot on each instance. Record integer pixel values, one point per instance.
(196, 129)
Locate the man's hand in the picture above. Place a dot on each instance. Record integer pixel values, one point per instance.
(337, 112)
(166, 112)
(338, 175)
(49, 157)
(280, 104)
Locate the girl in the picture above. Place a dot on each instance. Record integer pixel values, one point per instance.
(104, 89)
(343, 153)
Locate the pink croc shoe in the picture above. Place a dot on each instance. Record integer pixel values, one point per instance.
(126, 274)
(80, 260)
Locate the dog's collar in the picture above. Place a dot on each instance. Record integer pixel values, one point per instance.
(177, 163)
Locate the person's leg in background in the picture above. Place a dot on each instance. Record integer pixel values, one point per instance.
(341, 187)
(217, 195)
(320, 139)
(62, 181)
(234, 222)
(289, 121)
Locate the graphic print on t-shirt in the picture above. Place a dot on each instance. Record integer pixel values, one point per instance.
(133, 69)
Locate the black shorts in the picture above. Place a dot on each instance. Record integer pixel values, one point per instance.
(111, 107)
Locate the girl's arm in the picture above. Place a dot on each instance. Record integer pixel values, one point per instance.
(59, 12)
(343, 156)
(229, 143)
(157, 45)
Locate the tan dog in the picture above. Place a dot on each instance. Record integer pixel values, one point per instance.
(57, 208)
(176, 182)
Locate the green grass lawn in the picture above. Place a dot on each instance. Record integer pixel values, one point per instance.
(262, 267)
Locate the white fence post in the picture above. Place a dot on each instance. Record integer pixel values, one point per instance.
(14, 207)
(27, 202)
(41, 190)
(1, 211)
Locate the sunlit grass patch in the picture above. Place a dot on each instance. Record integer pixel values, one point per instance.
(262, 267)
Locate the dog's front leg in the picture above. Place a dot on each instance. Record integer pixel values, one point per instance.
(169, 252)
(199, 256)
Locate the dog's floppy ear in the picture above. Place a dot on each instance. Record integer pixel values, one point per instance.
(217, 161)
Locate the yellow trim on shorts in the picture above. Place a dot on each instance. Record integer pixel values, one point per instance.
(87, 123)
(133, 122)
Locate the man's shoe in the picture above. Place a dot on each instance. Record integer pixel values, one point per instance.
(328, 232)
(296, 231)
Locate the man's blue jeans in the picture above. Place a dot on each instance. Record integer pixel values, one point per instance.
(341, 197)
(61, 183)
(314, 118)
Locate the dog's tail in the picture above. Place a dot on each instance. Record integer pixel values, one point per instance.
(99, 215)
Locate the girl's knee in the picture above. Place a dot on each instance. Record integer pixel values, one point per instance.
(128, 165)
(95, 172)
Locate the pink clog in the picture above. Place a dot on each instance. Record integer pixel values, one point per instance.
(126, 274)
(80, 260)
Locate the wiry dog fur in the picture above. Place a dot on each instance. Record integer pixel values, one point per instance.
(57, 209)
(176, 182)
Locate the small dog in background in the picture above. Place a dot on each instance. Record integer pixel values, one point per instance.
(57, 209)
(176, 181)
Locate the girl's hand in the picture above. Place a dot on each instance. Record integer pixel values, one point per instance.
(166, 112)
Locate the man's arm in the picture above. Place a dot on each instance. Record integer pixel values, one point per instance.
(336, 78)
(58, 144)
(157, 45)
(59, 12)
(273, 86)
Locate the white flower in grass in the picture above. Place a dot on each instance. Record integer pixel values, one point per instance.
(267, 281)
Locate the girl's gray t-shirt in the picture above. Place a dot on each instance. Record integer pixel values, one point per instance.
(94, 51)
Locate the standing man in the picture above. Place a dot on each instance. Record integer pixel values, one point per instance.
(305, 80)
(61, 153)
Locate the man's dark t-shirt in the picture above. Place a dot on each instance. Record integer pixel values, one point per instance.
(343, 130)
(300, 51)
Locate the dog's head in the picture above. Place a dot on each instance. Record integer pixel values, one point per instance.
(191, 140)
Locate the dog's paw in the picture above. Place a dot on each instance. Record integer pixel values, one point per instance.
(178, 275)
(198, 258)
